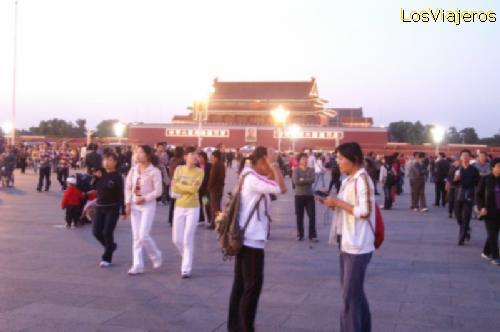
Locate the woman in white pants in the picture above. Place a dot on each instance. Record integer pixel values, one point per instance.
(185, 185)
(143, 186)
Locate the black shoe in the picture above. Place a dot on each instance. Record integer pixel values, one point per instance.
(461, 243)
(450, 216)
(467, 236)
(300, 238)
(39, 190)
(314, 240)
(46, 189)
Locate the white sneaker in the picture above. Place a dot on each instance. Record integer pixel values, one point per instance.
(415, 209)
(135, 271)
(424, 210)
(488, 258)
(104, 264)
(158, 262)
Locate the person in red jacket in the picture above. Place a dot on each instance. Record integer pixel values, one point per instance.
(71, 200)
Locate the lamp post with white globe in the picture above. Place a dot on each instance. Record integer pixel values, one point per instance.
(437, 133)
(119, 129)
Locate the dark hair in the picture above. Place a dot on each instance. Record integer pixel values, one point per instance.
(442, 154)
(351, 151)
(150, 154)
(302, 155)
(178, 152)
(421, 154)
(466, 151)
(257, 154)
(203, 155)
(111, 155)
(189, 149)
(495, 161)
(216, 154)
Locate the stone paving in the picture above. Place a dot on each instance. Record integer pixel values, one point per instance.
(420, 280)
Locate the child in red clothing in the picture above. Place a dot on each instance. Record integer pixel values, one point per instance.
(71, 201)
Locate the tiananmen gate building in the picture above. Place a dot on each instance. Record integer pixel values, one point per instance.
(240, 113)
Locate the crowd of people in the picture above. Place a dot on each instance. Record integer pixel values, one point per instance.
(128, 181)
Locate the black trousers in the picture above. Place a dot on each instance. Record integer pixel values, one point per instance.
(171, 211)
(387, 197)
(44, 174)
(72, 214)
(305, 203)
(62, 175)
(104, 228)
(492, 225)
(439, 188)
(247, 285)
(463, 213)
(452, 193)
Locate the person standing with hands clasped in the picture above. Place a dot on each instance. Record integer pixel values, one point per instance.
(488, 203)
(354, 225)
(185, 185)
(261, 178)
(303, 178)
(110, 197)
(143, 186)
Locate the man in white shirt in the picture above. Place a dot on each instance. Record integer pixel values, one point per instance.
(260, 180)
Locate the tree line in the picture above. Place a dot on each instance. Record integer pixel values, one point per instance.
(62, 128)
(418, 133)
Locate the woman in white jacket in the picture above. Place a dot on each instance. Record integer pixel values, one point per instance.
(143, 185)
(260, 179)
(355, 225)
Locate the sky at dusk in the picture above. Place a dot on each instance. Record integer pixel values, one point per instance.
(146, 60)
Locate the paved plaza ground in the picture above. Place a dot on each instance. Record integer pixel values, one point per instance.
(420, 280)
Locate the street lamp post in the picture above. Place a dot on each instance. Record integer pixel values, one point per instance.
(437, 136)
(8, 130)
(119, 129)
(294, 132)
(14, 76)
(280, 116)
(89, 134)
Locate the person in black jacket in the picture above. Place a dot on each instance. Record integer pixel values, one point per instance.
(110, 197)
(441, 169)
(467, 177)
(93, 160)
(488, 203)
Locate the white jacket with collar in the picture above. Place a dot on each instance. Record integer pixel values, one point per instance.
(254, 186)
(357, 235)
(150, 181)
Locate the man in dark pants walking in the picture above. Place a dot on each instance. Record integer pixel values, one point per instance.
(442, 166)
(45, 163)
(488, 203)
(467, 177)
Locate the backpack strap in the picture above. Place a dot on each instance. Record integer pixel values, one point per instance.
(369, 195)
(247, 222)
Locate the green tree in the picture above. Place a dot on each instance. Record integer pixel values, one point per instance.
(469, 136)
(105, 128)
(452, 136)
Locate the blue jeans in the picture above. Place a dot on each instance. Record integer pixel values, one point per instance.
(355, 312)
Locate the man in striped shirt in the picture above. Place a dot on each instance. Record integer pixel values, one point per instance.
(64, 161)
(45, 161)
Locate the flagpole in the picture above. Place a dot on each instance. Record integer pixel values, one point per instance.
(14, 64)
